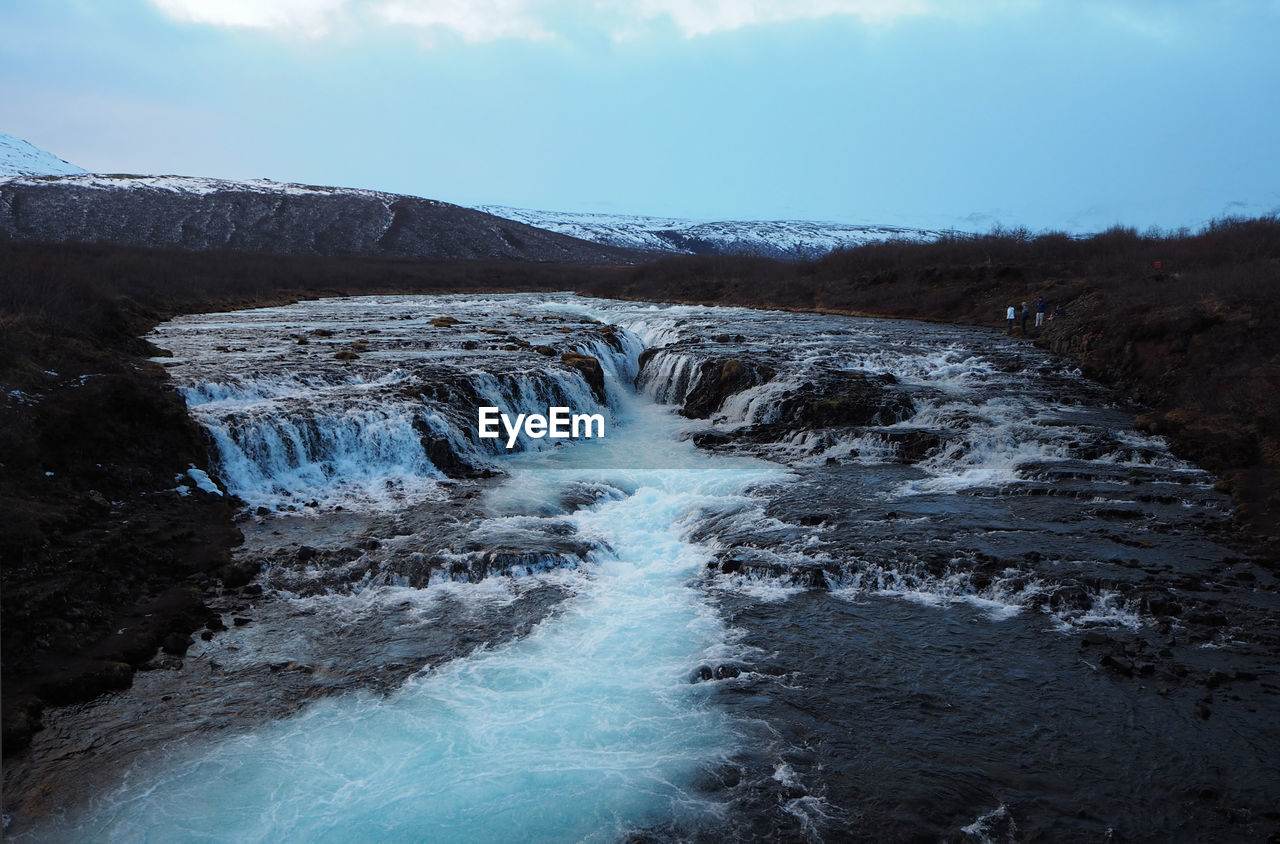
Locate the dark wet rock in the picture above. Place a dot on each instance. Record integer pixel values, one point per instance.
(731, 565)
(720, 378)
(241, 621)
(253, 590)
(1120, 664)
(590, 368)
(913, 446)
(717, 779)
(84, 680)
(178, 611)
(346, 354)
(166, 662)
(549, 351)
(176, 644)
(702, 673)
(238, 574)
(1117, 514)
(645, 356)
(1207, 619)
(1070, 596)
(847, 399)
(727, 671)
(22, 718)
(1161, 604)
(442, 455)
(711, 440)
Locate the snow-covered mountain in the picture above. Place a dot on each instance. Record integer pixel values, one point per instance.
(19, 158)
(265, 216)
(45, 198)
(770, 238)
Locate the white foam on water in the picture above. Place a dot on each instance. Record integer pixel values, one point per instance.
(583, 730)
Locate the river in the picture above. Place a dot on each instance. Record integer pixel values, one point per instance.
(824, 578)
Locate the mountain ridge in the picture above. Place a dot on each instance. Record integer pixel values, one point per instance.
(787, 239)
(200, 213)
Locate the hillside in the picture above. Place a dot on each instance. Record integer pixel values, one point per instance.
(20, 158)
(786, 239)
(272, 217)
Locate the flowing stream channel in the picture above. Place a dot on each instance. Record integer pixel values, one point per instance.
(823, 578)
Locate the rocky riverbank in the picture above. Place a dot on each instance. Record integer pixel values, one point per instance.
(107, 538)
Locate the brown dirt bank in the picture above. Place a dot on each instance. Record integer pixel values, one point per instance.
(1184, 323)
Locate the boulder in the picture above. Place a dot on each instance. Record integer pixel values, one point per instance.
(914, 446)
(720, 378)
(175, 644)
(845, 399)
(591, 371)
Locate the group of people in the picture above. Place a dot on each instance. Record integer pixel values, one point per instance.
(1042, 308)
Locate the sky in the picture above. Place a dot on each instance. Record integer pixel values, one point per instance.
(1050, 114)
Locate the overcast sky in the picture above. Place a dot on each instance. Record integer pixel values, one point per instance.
(1062, 114)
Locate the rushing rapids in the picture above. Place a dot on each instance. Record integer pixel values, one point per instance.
(823, 578)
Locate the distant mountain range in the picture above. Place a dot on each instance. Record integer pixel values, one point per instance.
(768, 238)
(45, 198)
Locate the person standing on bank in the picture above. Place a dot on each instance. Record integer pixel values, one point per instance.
(1026, 315)
(1011, 316)
(1041, 306)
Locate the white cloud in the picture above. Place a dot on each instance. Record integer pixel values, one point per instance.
(473, 20)
(311, 17)
(488, 20)
(703, 17)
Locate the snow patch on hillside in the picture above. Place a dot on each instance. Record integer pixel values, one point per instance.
(19, 158)
(200, 185)
(773, 238)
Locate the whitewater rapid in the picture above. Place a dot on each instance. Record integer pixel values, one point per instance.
(587, 729)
